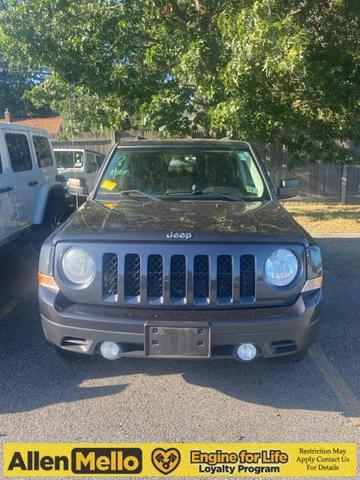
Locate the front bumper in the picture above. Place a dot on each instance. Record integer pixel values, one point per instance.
(276, 331)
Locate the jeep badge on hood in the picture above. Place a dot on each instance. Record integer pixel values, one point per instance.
(180, 235)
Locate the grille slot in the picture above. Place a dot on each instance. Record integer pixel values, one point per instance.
(247, 278)
(110, 275)
(224, 278)
(178, 277)
(201, 276)
(155, 276)
(132, 275)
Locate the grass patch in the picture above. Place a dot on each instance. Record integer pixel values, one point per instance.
(326, 219)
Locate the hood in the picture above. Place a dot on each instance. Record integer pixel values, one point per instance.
(207, 221)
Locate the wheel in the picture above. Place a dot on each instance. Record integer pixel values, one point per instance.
(292, 357)
(54, 214)
(67, 354)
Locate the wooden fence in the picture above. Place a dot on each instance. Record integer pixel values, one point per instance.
(319, 182)
(98, 142)
(331, 183)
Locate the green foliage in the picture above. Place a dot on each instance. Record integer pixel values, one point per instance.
(253, 69)
(82, 109)
(15, 84)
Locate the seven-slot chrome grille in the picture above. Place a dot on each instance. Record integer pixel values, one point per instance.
(178, 279)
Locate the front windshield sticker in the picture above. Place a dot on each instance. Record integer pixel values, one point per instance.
(108, 185)
(120, 170)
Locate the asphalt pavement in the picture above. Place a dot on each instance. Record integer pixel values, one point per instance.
(46, 398)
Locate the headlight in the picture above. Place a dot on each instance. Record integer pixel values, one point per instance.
(78, 265)
(281, 268)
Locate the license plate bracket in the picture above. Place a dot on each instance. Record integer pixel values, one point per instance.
(175, 341)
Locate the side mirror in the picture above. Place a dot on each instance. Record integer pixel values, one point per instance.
(77, 187)
(289, 187)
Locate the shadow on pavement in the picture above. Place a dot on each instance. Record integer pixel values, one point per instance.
(33, 376)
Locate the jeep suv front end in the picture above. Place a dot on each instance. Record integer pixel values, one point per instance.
(181, 251)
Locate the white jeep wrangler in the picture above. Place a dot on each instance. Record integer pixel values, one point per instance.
(30, 193)
(79, 163)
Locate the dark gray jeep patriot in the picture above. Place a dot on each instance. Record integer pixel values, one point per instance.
(182, 250)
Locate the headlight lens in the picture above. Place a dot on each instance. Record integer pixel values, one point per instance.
(78, 265)
(281, 267)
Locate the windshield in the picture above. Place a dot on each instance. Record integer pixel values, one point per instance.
(196, 173)
(69, 159)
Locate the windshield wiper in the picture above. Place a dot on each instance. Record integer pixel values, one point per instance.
(221, 195)
(138, 193)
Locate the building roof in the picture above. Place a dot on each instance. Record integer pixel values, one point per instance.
(52, 125)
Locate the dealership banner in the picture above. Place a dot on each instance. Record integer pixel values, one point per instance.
(180, 459)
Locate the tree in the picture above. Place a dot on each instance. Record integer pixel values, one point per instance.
(255, 69)
(15, 84)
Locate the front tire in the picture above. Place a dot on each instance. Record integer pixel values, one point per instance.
(55, 214)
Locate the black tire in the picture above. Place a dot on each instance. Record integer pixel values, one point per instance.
(55, 214)
(67, 354)
(292, 357)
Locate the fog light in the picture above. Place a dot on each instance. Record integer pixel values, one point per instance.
(246, 352)
(110, 350)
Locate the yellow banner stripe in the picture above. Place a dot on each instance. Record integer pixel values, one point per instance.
(180, 459)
